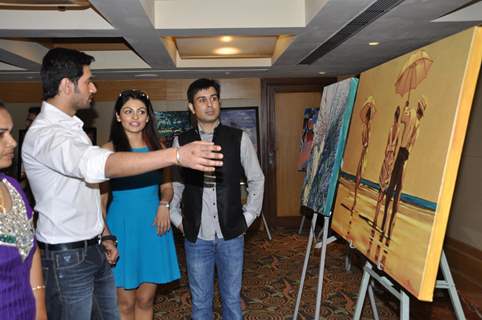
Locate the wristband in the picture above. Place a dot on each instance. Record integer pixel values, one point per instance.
(178, 157)
(109, 237)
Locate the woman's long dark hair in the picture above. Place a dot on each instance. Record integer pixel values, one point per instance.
(149, 133)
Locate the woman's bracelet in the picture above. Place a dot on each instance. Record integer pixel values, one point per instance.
(164, 204)
(38, 287)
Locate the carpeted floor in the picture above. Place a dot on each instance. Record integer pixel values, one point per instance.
(271, 277)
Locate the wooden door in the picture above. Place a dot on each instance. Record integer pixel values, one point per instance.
(282, 105)
(289, 110)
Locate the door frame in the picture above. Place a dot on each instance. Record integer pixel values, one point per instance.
(269, 88)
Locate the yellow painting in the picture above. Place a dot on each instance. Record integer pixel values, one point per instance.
(402, 155)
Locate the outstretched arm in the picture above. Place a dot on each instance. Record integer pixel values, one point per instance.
(198, 155)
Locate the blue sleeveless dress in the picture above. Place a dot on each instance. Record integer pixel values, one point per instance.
(144, 256)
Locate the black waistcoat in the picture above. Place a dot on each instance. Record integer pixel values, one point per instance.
(228, 193)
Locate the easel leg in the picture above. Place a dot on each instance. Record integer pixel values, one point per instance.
(301, 224)
(373, 304)
(449, 284)
(363, 291)
(305, 264)
(404, 306)
(348, 259)
(266, 227)
(321, 271)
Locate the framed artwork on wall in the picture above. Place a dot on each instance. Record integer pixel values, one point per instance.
(172, 123)
(245, 118)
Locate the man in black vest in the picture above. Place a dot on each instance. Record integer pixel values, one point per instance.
(207, 208)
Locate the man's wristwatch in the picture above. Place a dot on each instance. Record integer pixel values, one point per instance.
(109, 237)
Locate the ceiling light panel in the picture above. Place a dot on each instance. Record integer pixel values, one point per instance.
(238, 47)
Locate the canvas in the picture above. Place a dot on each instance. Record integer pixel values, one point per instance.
(306, 143)
(329, 135)
(244, 118)
(402, 155)
(172, 123)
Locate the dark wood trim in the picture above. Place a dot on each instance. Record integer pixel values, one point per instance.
(465, 264)
(269, 87)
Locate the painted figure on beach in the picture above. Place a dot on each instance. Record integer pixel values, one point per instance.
(367, 114)
(411, 121)
(388, 161)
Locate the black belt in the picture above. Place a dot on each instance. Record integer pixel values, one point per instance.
(69, 245)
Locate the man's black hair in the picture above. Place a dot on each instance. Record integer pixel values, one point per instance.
(61, 63)
(202, 84)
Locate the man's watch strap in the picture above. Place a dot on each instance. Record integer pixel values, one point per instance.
(109, 237)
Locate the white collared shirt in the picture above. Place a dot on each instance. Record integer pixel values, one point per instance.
(64, 169)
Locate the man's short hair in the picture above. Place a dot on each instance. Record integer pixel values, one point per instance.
(34, 110)
(61, 63)
(202, 84)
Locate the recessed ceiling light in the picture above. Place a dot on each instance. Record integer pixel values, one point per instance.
(322, 72)
(226, 51)
(373, 43)
(226, 38)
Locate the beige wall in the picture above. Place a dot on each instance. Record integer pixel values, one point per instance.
(465, 222)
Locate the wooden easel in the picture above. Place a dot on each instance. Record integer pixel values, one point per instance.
(323, 244)
(367, 284)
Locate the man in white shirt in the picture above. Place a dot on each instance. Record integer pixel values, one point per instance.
(64, 170)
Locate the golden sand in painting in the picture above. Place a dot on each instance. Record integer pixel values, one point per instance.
(406, 137)
(406, 252)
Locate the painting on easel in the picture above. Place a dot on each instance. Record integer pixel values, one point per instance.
(328, 143)
(402, 155)
(306, 144)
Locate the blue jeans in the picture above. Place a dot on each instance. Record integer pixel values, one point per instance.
(227, 256)
(79, 281)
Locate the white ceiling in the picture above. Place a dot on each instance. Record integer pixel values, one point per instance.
(177, 38)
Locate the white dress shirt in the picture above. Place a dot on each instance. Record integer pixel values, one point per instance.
(64, 169)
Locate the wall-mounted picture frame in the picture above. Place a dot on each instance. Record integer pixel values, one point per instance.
(245, 118)
(172, 123)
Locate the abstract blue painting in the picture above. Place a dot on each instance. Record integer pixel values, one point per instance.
(329, 139)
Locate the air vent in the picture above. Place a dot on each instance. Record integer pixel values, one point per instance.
(25, 4)
(373, 12)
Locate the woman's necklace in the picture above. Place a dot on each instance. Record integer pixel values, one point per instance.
(15, 227)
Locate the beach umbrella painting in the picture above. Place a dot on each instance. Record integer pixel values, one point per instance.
(413, 72)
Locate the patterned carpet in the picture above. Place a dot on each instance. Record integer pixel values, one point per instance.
(271, 277)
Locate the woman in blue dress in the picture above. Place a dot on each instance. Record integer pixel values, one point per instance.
(138, 212)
